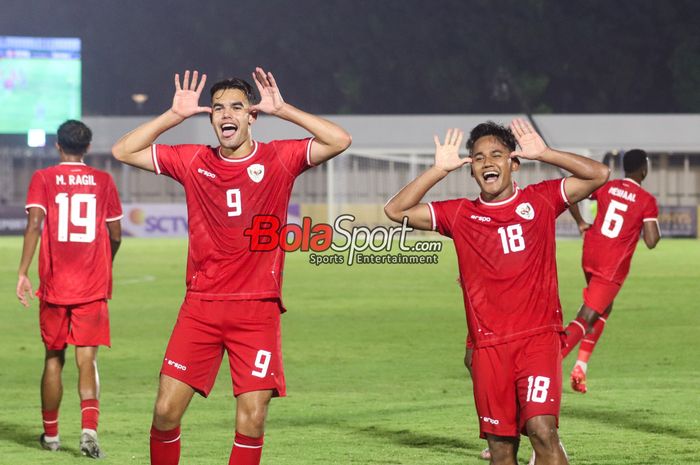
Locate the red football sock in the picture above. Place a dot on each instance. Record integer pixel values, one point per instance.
(165, 446)
(246, 450)
(589, 342)
(574, 333)
(90, 413)
(50, 419)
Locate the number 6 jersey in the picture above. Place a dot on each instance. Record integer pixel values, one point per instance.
(507, 261)
(75, 259)
(608, 246)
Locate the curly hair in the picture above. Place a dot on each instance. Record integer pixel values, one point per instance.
(633, 160)
(74, 137)
(489, 128)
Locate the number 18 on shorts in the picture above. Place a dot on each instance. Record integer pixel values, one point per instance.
(516, 381)
(247, 330)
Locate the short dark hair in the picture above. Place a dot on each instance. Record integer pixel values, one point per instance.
(74, 137)
(489, 128)
(235, 83)
(633, 160)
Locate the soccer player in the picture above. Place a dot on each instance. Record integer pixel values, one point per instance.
(81, 212)
(233, 299)
(624, 210)
(505, 247)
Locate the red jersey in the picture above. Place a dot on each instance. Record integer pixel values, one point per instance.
(75, 259)
(507, 261)
(223, 195)
(608, 246)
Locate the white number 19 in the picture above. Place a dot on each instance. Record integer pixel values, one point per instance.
(71, 208)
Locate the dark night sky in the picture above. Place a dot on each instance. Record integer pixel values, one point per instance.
(443, 56)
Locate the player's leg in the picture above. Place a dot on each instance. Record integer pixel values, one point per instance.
(578, 328)
(51, 395)
(89, 328)
(190, 365)
(503, 449)
(579, 372)
(538, 370)
(251, 412)
(53, 323)
(254, 346)
(544, 436)
(485, 454)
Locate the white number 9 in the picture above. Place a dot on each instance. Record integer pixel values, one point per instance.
(233, 200)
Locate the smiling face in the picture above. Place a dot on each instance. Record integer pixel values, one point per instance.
(492, 167)
(231, 119)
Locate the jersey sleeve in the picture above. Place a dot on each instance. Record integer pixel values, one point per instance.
(294, 154)
(554, 194)
(174, 160)
(114, 205)
(36, 194)
(651, 210)
(444, 215)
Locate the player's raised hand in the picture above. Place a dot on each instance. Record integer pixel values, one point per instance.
(186, 98)
(531, 143)
(24, 289)
(447, 155)
(271, 100)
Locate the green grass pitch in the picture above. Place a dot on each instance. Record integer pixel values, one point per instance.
(373, 358)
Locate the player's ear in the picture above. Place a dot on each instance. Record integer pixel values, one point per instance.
(514, 164)
(252, 116)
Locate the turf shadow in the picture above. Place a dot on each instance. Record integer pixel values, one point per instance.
(20, 436)
(420, 440)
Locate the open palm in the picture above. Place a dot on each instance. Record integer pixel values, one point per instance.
(447, 154)
(531, 143)
(271, 100)
(186, 98)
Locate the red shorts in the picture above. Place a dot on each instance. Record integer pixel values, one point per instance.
(84, 324)
(599, 293)
(516, 381)
(249, 331)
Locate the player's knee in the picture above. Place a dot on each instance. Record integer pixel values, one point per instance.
(166, 414)
(543, 436)
(251, 418)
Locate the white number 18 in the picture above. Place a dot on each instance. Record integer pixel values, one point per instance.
(512, 238)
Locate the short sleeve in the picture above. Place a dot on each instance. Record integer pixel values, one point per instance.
(444, 215)
(553, 193)
(36, 194)
(294, 154)
(651, 210)
(173, 160)
(114, 205)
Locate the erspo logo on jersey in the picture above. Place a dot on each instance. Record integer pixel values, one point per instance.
(267, 233)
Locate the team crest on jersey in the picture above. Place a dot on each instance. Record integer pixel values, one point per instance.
(256, 172)
(525, 211)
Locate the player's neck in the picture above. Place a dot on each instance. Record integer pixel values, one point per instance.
(66, 158)
(241, 151)
(505, 194)
(635, 177)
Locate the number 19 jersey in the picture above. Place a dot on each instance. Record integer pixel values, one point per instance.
(75, 260)
(623, 208)
(507, 261)
(223, 196)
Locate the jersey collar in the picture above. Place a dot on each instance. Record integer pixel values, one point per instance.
(632, 181)
(238, 160)
(516, 192)
(73, 163)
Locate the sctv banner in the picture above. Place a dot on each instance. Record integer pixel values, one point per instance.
(168, 219)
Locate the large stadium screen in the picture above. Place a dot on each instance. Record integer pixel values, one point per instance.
(40, 83)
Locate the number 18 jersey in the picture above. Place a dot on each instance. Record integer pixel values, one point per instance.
(507, 261)
(75, 260)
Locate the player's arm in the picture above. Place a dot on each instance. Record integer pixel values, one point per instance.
(31, 238)
(134, 148)
(651, 233)
(583, 226)
(329, 138)
(588, 175)
(114, 228)
(407, 202)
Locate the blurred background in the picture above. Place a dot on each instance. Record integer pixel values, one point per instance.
(595, 77)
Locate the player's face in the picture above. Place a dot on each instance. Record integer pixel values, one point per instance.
(492, 168)
(231, 118)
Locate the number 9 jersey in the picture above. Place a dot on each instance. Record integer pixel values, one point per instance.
(507, 261)
(75, 260)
